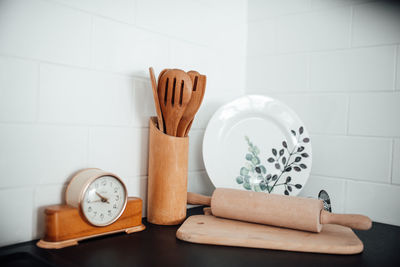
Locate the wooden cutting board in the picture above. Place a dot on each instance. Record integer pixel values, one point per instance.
(207, 229)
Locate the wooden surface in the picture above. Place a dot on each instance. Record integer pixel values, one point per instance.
(74, 241)
(174, 93)
(199, 87)
(207, 229)
(158, 246)
(156, 101)
(65, 225)
(277, 210)
(167, 177)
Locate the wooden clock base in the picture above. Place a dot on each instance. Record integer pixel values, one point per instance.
(65, 226)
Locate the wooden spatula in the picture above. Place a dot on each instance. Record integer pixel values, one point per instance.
(174, 93)
(161, 74)
(199, 86)
(156, 102)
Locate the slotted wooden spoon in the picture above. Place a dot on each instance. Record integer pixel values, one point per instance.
(174, 93)
(161, 74)
(199, 86)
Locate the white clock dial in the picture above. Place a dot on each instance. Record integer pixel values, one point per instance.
(104, 201)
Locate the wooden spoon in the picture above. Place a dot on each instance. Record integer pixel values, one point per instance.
(174, 93)
(156, 102)
(161, 74)
(199, 86)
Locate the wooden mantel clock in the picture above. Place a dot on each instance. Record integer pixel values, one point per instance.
(97, 204)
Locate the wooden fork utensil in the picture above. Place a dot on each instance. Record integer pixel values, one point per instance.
(199, 86)
(174, 94)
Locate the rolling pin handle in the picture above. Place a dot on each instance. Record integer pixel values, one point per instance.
(354, 221)
(197, 199)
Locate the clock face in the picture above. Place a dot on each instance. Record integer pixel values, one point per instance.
(104, 201)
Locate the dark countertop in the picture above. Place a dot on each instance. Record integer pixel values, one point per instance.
(158, 246)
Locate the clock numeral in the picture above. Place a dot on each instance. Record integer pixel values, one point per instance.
(102, 216)
(104, 182)
(115, 189)
(88, 200)
(114, 206)
(89, 209)
(96, 185)
(117, 197)
(109, 212)
(94, 213)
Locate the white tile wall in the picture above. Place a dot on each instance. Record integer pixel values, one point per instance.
(322, 113)
(334, 186)
(45, 195)
(375, 114)
(358, 158)
(120, 10)
(333, 3)
(327, 29)
(18, 89)
(137, 187)
(396, 162)
(44, 30)
(398, 69)
(142, 103)
(378, 201)
(376, 23)
(261, 38)
(337, 64)
(196, 148)
(70, 95)
(18, 225)
(200, 182)
(40, 154)
(278, 73)
(361, 69)
(261, 9)
(123, 48)
(119, 150)
(75, 91)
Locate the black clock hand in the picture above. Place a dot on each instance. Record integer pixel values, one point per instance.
(103, 199)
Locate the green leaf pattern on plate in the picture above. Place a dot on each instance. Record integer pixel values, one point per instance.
(254, 175)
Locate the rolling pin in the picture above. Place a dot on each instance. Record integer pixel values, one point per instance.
(277, 210)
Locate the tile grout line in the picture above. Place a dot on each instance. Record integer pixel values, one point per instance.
(351, 26)
(38, 93)
(345, 198)
(308, 71)
(327, 50)
(91, 63)
(347, 118)
(310, 10)
(88, 146)
(134, 24)
(79, 67)
(377, 137)
(135, 13)
(302, 92)
(353, 179)
(81, 125)
(324, 93)
(391, 161)
(396, 66)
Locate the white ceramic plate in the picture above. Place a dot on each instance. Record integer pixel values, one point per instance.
(257, 143)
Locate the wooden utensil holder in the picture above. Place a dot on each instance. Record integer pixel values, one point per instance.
(167, 180)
